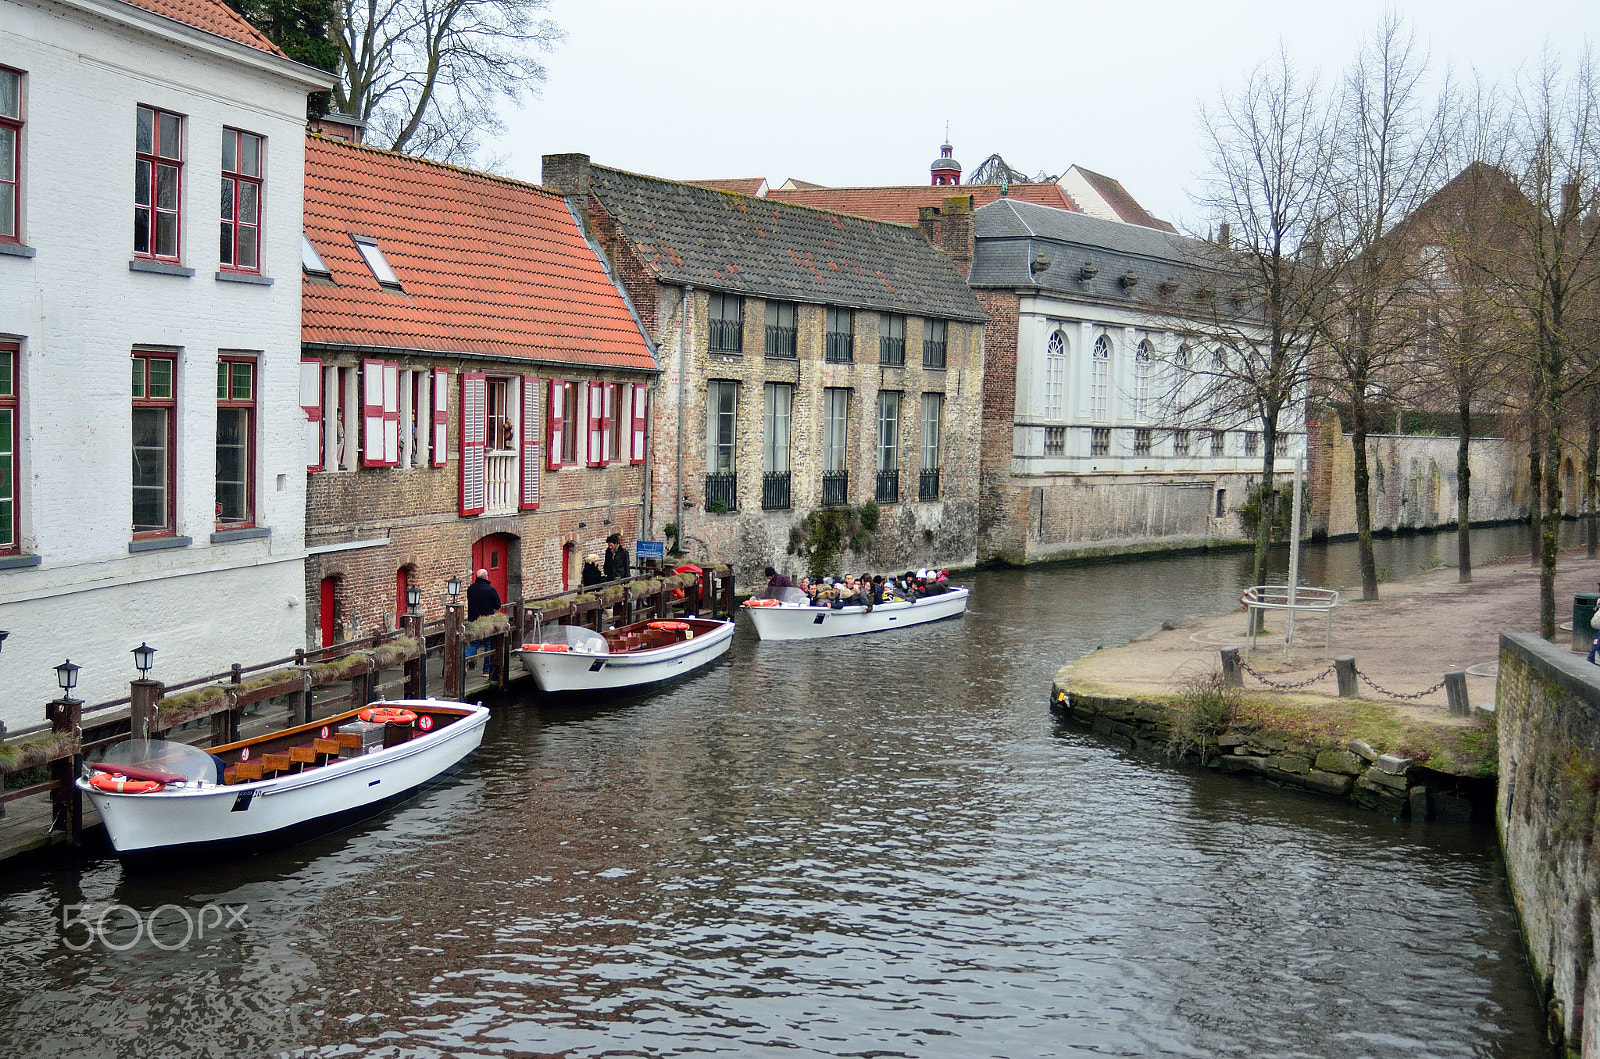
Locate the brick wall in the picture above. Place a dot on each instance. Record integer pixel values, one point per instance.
(1002, 510)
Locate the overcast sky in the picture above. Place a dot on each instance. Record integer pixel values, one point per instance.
(858, 93)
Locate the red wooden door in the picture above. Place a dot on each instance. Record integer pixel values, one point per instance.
(491, 554)
(329, 607)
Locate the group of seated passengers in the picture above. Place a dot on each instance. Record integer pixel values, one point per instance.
(871, 589)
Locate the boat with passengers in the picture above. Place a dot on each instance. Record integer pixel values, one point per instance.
(789, 614)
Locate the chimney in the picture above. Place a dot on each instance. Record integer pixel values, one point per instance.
(566, 173)
(956, 236)
(928, 221)
(1222, 235)
(337, 126)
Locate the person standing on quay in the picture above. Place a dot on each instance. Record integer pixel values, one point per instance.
(616, 559)
(482, 600)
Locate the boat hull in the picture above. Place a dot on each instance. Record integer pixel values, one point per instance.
(567, 671)
(181, 818)
(818, 623)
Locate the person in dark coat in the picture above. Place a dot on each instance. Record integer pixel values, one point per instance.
(776, 581)
(616, 564)
(592, 574)
(483, 599)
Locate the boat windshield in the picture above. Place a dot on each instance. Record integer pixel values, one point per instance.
(165, 756)
(576, 637)
(791, 597)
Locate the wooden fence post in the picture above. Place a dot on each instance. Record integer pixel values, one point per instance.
(307, 701)
(66, 715)
(727, 592)
(1344, 667)
(417, 668)
(1455, 690)
(144, 696)
(1232, 671)
(454, 661)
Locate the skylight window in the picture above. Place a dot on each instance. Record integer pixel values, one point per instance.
(376, 262)
(310, 260)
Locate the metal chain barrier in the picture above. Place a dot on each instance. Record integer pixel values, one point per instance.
(1381, 690)
(1285, 687)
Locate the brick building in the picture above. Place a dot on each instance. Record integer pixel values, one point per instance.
(150, 183)
(475, 387)
(810, 360)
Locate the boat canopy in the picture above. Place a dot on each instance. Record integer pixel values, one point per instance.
(164, 755)
(576, 637)
(790, 596)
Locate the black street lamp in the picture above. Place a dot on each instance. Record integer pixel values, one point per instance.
(3, 635)
(144, 657)
(413, 598)
(67, 677)
(452, 590)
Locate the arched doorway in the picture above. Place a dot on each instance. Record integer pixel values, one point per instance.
(497, 554)
(402, 581)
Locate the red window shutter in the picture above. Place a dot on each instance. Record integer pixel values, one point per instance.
(372, 413)
(597, 404)
(608, 405)
(641, 407)
(391, 415)
(530, 443)
(557, 412)
(441, 416)
(311, 404)
(474, 472)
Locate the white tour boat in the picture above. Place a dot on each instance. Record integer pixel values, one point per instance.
(792, 617)
(573, 658)
(159, 797)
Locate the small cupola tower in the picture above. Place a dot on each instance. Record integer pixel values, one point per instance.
(945, 170)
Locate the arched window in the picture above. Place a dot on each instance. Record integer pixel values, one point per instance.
(1055, 376)
(1141, 380)
(1100, 380)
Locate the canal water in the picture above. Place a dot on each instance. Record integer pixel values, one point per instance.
(872, 847)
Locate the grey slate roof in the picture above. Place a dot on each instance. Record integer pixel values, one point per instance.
(723, 241)
(1009, 234)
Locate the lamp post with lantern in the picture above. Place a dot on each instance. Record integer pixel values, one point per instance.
(144, 693)
(417, 668)
(66, 718)
(455, 669)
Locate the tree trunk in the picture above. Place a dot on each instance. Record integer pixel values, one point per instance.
(1552, 528)
(1535, 493)
(1464, 495)
(1268, 510)
(1591, 461)
(1358, 440)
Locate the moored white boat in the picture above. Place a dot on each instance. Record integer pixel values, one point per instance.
(800, 621)
(272, 783)
(572, 658)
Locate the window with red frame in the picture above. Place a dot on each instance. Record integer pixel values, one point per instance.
(154, 457)
(241, 201)
(569, 429)
(236, 448)
(8, 449)
(10, 155)
(157, 184)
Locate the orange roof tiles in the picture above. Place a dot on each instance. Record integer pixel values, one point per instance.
(487, 265)
(213, 16)
(739, 185)
(900, 204)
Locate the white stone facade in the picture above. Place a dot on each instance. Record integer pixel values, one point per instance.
(79, 584)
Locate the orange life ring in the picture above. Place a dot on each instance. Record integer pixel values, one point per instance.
(386, 715)
(544, 647)
(670, 626)
(105, 781)
(761, 603)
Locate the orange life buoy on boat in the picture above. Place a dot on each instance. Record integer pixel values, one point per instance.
(670, 626)
(544, 647)
(761, 603)
(386, 715)
(105, 781)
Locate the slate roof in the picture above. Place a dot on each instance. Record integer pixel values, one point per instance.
(899, 205)
(1009, 234)
(213, 16)
(487, 265)
(686, 234)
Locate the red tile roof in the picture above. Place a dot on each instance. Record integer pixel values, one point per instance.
(1125, 206)
(487, 265)
(213, 16)
(900, 205)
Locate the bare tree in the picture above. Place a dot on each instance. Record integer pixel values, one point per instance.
(1387, 160)
(1547, 274)
(427, 76)
(1264, 190)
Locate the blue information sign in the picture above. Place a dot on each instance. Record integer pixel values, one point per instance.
(650, 550)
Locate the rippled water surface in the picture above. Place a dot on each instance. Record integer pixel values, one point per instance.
(880, 846)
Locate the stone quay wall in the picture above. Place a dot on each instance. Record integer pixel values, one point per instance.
(1548, 703)
(1355, 772)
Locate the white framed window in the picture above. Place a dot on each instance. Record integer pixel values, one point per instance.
(1141, 380)
(1100, 380)
(1055, 376)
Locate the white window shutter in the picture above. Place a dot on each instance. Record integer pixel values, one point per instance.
(311, 404)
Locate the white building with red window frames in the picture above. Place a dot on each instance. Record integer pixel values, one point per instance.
(151, 171)
(475, 388)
